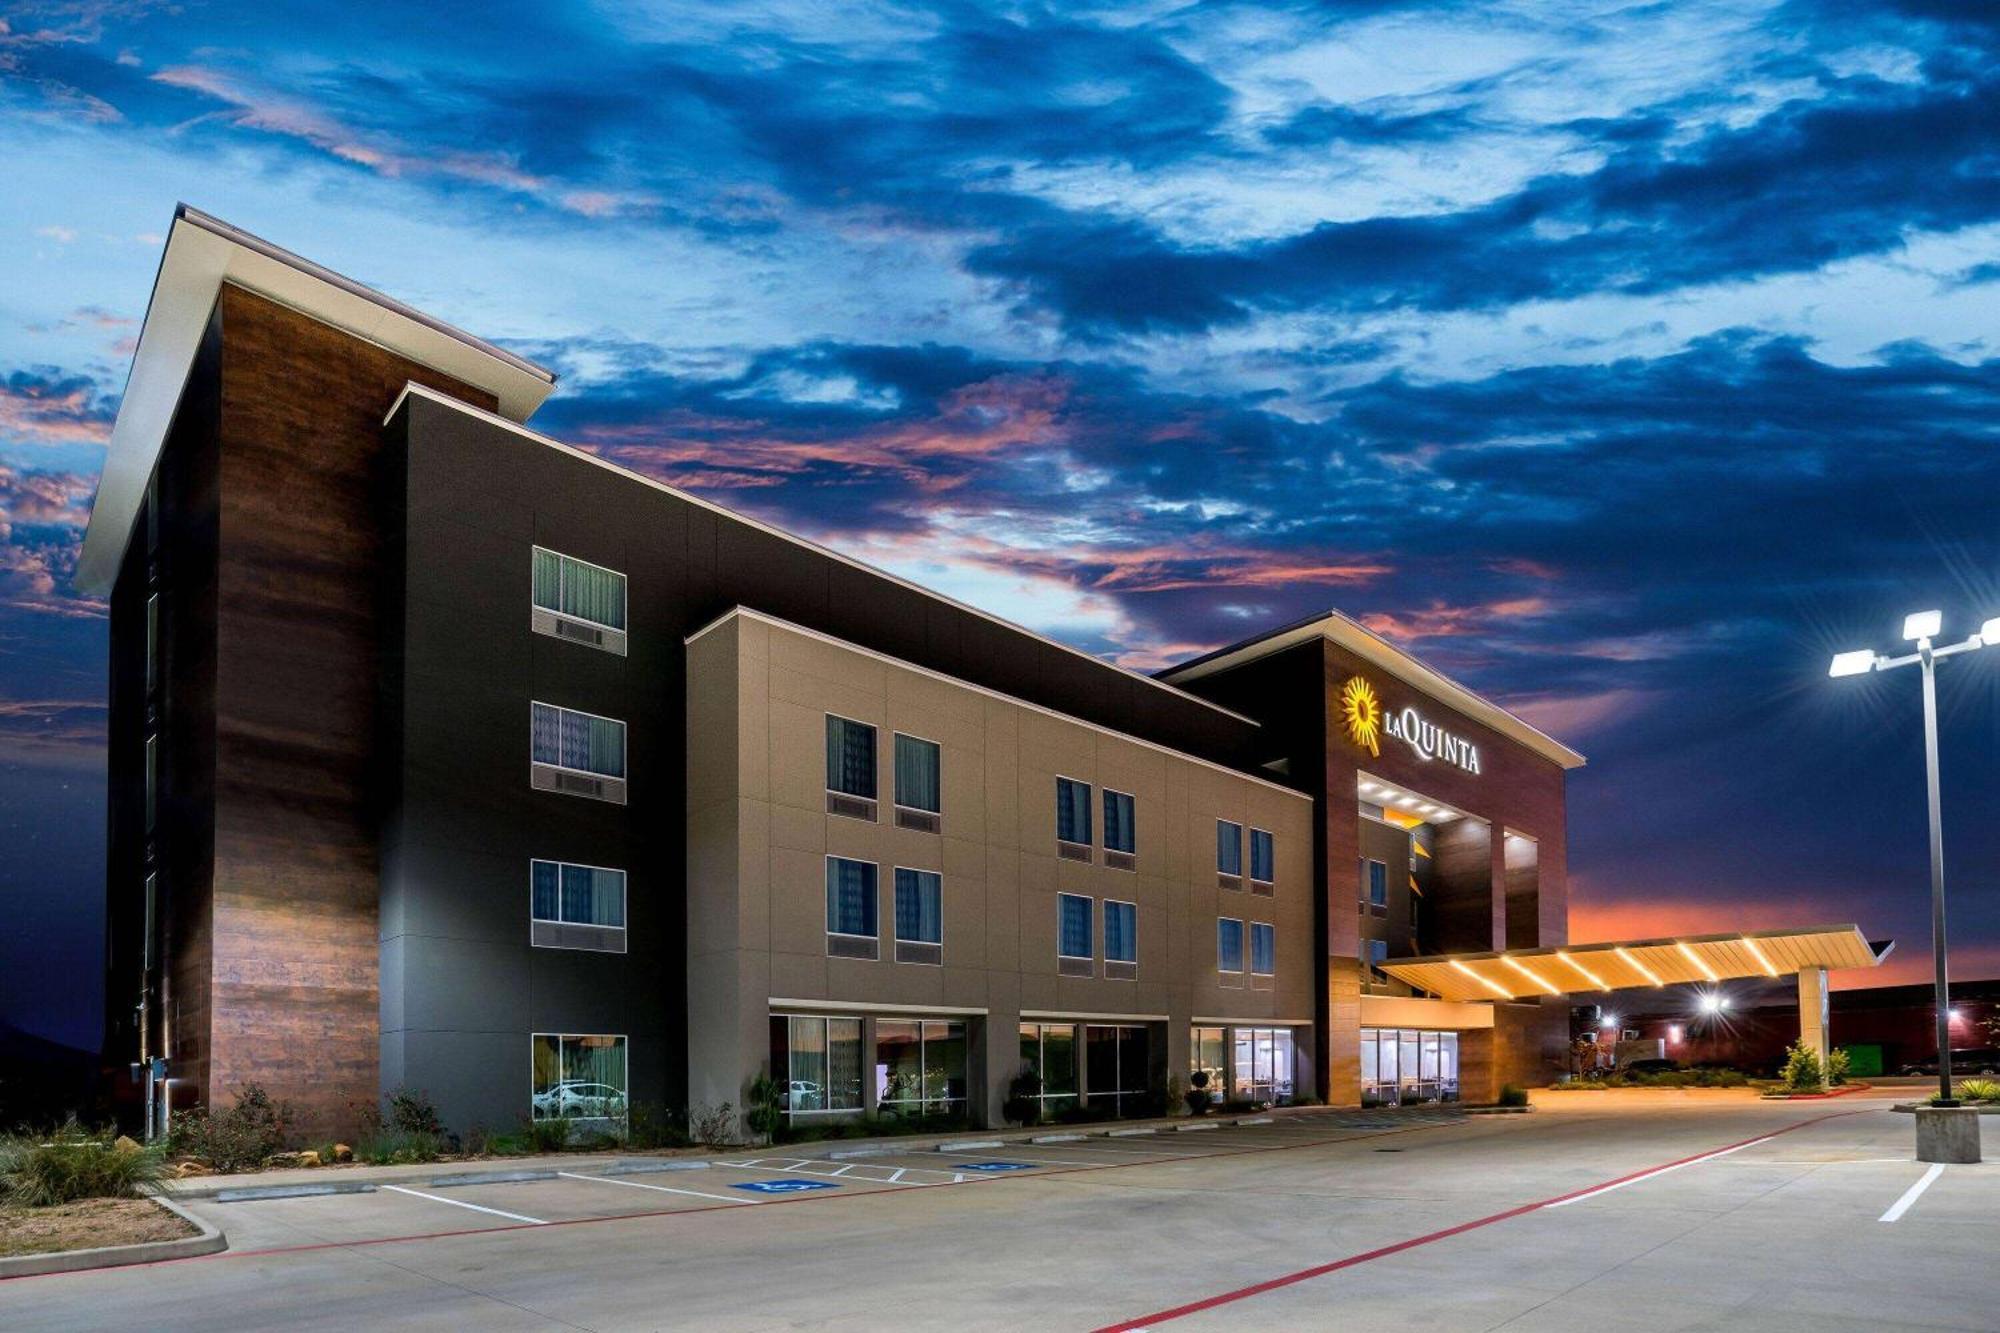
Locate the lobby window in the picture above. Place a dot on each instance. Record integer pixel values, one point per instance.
(919, 916)
(1229, 945)
(1262, 1059)
(1074, 954)
(1229, 854)
(1263, 948)
(580, 1079)
(919, 787)
(1049, 1050)
(1118, 1060)
(919, 1067)
(1207, 1051)
(578, 601)
(1121, 940)
(823, 1061)
(577, 753)
(1375, 886)
(1121, 836)
(1263, 857)
(850, 908)
(1404, 1066)
(850, 768)
(1073, 819)
(576, 906)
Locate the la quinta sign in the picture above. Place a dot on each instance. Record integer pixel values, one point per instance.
(1365, 719)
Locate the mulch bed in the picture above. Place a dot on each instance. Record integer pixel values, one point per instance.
(87, 1225)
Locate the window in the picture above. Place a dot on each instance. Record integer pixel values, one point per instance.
(1377, 886)
(850, 758)
(1262, 1063)
(1263, 948)
(579, 1078)
(850, 897)
(1228, 848)
(1263, 857)
(582, 742)
(1228, 945)
(823, 1062)
(1206, 1047)
(579, 589)
(1119, 834)
(919, 906)
(1073, 811)
(1049, 1050)
(917, 774)
(1402, 1066)
(1073, 926)
(919, 1067)
(576, 906)
(1378, 954)
(152, 782)
(1121, 931)
(1119, 1062)
(152, 643)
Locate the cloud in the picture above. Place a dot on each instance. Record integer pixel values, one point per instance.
(42, 515)
(52, 732)
(46, 406)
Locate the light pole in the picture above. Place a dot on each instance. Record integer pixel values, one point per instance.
(1921, 627)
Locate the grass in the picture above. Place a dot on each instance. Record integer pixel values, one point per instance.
(86, 1225)
(71, 1163)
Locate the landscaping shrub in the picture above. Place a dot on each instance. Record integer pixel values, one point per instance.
(1979, 1090)
(1197, 1094)
(236, 1139)
(397, 1147)
(712, 1126)
(551, 1135)
(1513, 1096)
(764, 1107)
(1024, 1098)
(412, 1111)
(1836, 1067)
(1803, 1071)
(71, 1163)
(648, 1125)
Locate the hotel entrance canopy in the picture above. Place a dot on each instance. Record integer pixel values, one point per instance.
(1526, 973)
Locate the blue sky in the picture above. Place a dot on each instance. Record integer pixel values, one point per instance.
(1623, 360)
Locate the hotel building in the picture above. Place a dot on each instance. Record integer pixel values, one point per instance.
(444, 755)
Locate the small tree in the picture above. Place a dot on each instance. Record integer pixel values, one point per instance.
(764, 1107)
(1803, 1071)
(1197, 1094)
(1024, 1098)
(1836, 1066)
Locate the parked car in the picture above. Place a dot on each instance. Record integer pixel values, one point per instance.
(806, 1096)
(1971, 1060)
(596, 1101)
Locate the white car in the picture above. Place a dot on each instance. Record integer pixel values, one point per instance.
(580, 1101)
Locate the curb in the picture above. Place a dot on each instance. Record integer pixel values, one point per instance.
(1846, 1090)
(1911, 1108)
(249, 1193)
(208, 1240)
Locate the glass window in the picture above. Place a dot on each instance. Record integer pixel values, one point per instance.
(1206, 1053)
(1263, 856)
(1378, 954)
(850, 757)
(152, 642)
(579, 589)
(1119, 834)
(578, 895)
(1263, 948)
(152, 782)
(1049, 1049)
(1262, 1060)
(919, 907)
(1118, 1061)
(1121, 931)
(917, 774)
(1073, 926)
(1401, 1066)
(1073, 811)
(1378, 884)
(1228, 847)
(1228, 945)
(919, 1067)
(579, 1078)
(850, 897)
(585, 742)
(825, 1064)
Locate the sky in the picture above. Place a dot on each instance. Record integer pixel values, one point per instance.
(1621, 360)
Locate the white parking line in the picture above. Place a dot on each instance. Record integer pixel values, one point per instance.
(1912, 1194)
(642, 1185)
(460, 1203)
(798, 1168)
(1654, 1175)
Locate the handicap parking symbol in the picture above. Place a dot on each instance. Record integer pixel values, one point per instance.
(998, 1166)
(785, 1186)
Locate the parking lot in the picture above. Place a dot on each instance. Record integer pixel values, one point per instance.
(1602, 1211)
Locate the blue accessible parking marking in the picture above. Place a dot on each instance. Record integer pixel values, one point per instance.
(997, 1166)
(785, 1186)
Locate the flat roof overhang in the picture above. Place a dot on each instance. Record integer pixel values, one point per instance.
(201, 254)
(1589, 968)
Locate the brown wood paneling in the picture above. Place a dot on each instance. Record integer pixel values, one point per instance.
(293, 996)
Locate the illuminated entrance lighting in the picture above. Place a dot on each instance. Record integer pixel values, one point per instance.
(1695, 958)
(1758, 954)
(1522, 968)
(1638, 966)
(1713, 1003)
(1583, 971)
(1609, 1021)
(1490, 984)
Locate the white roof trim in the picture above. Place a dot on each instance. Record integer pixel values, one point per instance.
(517, 428)
(201, 254)
(1379, 652)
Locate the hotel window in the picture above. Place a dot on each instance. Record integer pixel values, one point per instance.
(823, 1059)
(579, 1078)
(850, 908)
(850, 768)
(579, 601)
(1378, 954)
(1121, 837)
(1073, 817)
(578, 753)
(1262, 1063)
(1118, 1062)
(919, 916)
(1229, 853)
(919, 794)
(1049, 1049)
(1406, 1066)
(1207, 1051)
(1121, 940)
(576, 906)
(1074, 954)
(919, 1067)
(1228, 945)
(1375, 888)
(1263, 948)
(1263, 857)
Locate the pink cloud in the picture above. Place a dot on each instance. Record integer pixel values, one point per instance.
(1439, 620)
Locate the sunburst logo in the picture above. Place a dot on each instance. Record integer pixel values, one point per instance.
(1361, 714)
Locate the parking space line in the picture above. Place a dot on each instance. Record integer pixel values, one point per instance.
(642, 1185)
(799, 1168)
(1913, 1193)
(1645, 1176)
(460, 1203)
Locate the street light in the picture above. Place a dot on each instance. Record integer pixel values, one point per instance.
(1923, 626)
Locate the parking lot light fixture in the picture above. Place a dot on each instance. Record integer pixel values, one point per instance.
(1922, 625)
(1857, 663)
